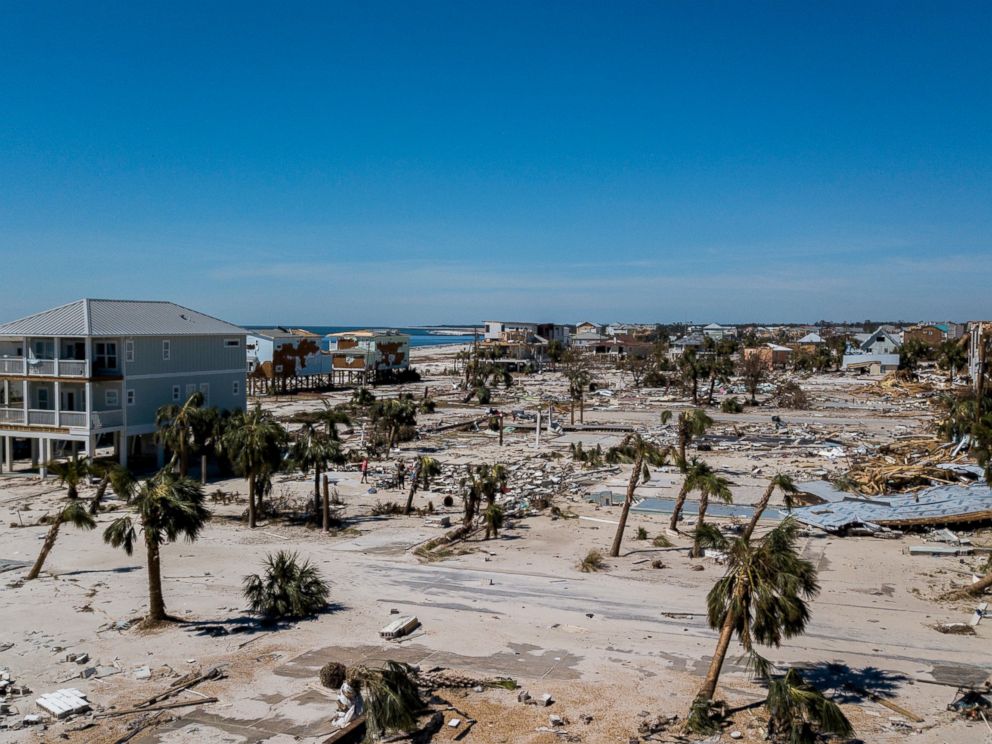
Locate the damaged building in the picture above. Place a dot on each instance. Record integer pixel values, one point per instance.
(367, 356)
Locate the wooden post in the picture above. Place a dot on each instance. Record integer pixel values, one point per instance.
(537, 430)
(500, 428)
(203, 469)
(327, 504)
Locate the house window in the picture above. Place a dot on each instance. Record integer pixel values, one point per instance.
(111, 398)
(129, 350)
(175, 393)
(205, 390)
(236, 387)
(130, 397)
(190, 389)
(106, 354)
(232, 343)
(166, 350)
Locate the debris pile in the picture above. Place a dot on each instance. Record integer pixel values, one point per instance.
(906, 465)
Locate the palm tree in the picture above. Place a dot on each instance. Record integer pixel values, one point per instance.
(711, 485)
(70, 474)
(577, 372)
(720, 369)
(167, 507)
(799, 713)
(696, 474)
(390, 417)
(556, 350)
(691, 368)
(424, 469)
(952, 357)
(762, 598)
(493, 516)
(392, 697)
(753, 370)
(254, 442)
(111, 474)
(784, 484)
(690, 424)
(637, 450)
(314, 449)
(288, 588)
(483, 482)
(177, 426)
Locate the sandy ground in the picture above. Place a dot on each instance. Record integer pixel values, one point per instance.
(619, 645)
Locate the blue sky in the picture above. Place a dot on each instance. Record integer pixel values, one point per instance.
(428, 162)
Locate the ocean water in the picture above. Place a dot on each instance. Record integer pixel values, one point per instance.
(418, 336)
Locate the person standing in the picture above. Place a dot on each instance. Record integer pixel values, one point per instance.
(401, 475)
(365, 470)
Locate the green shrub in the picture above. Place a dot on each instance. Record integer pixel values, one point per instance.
(731, 405)
(287, 589)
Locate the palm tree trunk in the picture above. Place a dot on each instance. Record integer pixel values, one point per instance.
(251, 501)
(709, 399)
(46, 548)
(410, 495)
(627, 502)
(316, 490)
(708, 690)
(183, 458)
(101, 491)
(582, 409)
(573, 411)
(969, 591)
(695, 390)
(156, 604)
(758, 509)
(327, 507)
(682, 446)
(673, 523)
(704, 502)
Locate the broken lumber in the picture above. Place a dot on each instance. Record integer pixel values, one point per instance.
(164, 706)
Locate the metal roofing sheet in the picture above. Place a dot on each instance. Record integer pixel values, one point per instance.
(119, 318)
(939, 504)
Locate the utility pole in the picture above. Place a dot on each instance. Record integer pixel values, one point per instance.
(980, 382)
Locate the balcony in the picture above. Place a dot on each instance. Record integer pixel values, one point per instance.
(65, 419)
(22, 366)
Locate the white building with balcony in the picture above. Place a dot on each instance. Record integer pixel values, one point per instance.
(95, 372)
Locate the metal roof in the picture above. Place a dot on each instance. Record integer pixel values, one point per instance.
(937, 505)
(89, 317)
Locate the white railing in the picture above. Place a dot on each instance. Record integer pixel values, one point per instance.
(44, 367)
(37, 417)
(73, 419)
(11, 415)
(12, 365)
(73, 368)
(107, 419)
(67, 419)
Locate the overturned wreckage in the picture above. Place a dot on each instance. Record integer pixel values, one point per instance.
(932, 507)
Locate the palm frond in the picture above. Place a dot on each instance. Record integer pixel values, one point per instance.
(76, 514)
(120, 534)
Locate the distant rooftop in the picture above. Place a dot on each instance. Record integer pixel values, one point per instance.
(90, 317)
